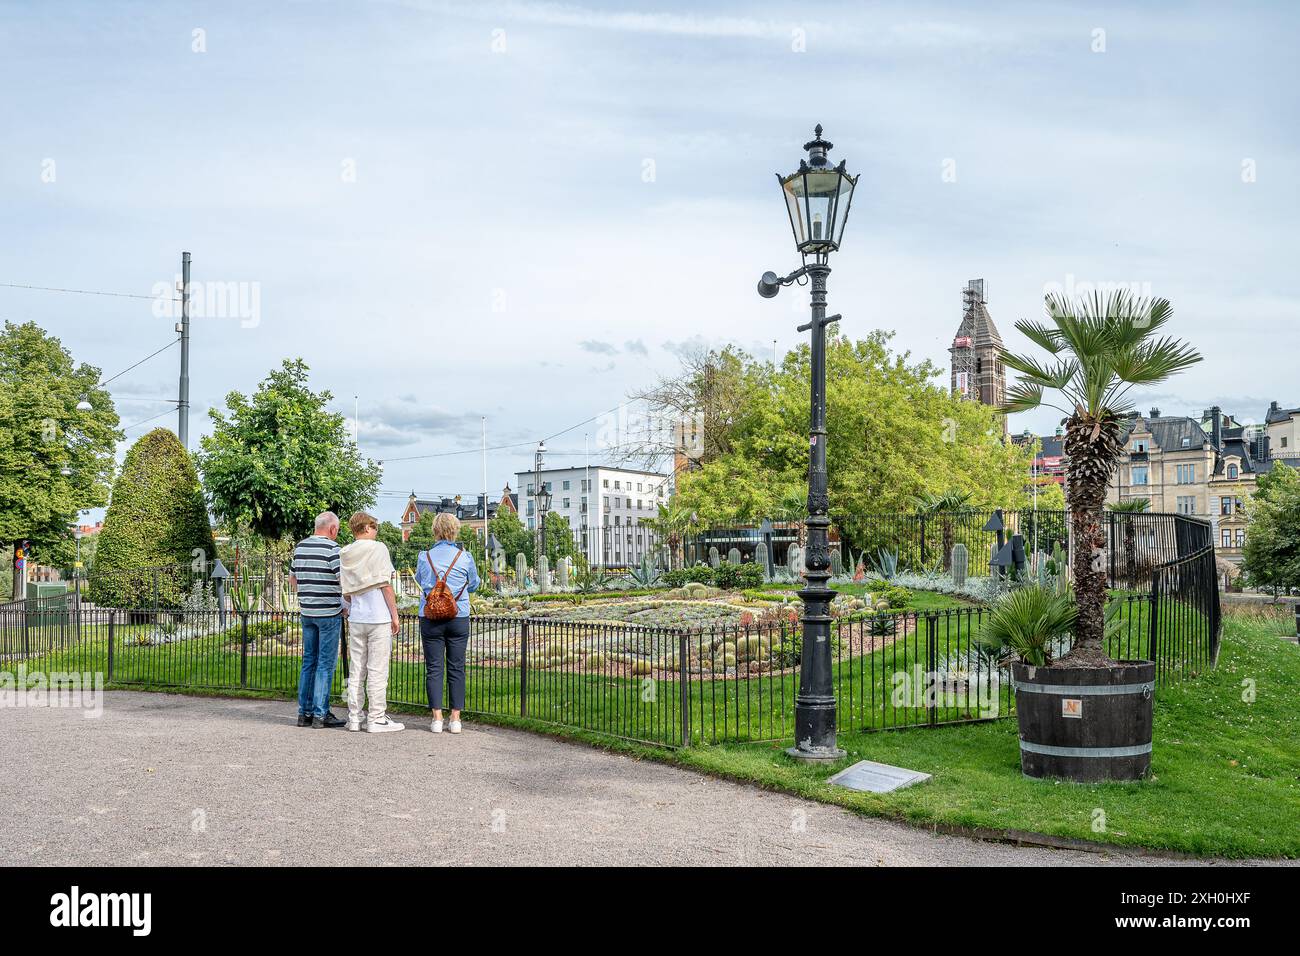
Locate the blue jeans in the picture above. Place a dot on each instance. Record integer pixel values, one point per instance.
(320, 652)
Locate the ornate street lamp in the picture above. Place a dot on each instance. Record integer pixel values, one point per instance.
(817, 200)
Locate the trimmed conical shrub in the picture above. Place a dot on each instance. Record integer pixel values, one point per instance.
(156, 520)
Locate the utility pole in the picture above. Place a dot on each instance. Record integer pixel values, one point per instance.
(538, 539)
(183, 327)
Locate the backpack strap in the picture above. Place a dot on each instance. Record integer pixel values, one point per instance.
(428, 556)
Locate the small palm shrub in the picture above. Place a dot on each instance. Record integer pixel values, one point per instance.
(1029, 624)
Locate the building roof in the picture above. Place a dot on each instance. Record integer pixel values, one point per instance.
(463, 510)
(1169, 432)
(1276, 414)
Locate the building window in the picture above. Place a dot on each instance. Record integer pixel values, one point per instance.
(1185, 474)
(1232, 472)
(1225, 538)
(1225, 506)
(638, 486)
(1237, 504)
(1283, 441)
(530, 489)
(1187, 505)
(1241, 537)
(1140, 444)
(566, 500)
(607, 502)
(639, 506)
(530, 522)
(1138, 474)
(565, 486)
(530, 507)
(605, 482)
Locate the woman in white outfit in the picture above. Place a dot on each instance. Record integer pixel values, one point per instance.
(366, 575)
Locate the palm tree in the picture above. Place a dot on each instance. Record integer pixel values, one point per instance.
(671, 523)
(1099, 349)
(792, 505)
(930, 504)
(1128, 508)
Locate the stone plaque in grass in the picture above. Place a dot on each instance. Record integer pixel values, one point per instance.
(872, 777)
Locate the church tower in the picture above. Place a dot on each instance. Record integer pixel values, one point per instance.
(977, 370)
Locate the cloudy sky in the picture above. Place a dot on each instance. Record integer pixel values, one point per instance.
(522, 211)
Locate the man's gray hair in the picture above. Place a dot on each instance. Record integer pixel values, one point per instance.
(325, 520)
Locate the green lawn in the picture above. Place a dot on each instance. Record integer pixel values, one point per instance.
(1225, 772)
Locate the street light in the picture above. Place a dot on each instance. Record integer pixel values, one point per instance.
(543, 498)
(817, 199)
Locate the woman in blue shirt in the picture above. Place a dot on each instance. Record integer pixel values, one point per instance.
(445, 641)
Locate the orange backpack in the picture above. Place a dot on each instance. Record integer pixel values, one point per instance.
(439, 605)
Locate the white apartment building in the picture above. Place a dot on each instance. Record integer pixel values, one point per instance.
(605, 507)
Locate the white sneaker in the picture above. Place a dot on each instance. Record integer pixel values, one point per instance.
(383, 725)
(354, 725)
(436, 726)
(454, 727)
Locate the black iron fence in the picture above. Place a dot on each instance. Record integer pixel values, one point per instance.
(1185, 616)
(667, 686)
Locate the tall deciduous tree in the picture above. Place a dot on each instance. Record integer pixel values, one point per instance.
(155, 521)
(512, 535)
(894, 433)
(1271, 557)
(279, 457)
(42, 436)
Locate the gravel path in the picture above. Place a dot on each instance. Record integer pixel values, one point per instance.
(162, 779)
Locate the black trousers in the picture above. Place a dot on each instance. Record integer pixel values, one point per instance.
(445, 641)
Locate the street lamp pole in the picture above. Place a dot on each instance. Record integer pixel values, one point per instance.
(818, 198)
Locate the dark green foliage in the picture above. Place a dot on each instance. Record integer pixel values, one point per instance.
(42, 434)
(156, 519)
(698, 573)
(277, 459)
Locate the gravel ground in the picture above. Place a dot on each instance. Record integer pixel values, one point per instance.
(162, 780)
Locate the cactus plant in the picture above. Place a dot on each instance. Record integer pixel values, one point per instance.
(543, 574)
(837, 564)
(714, 560)
(733, 556)
(562, 572)
(960, 565)
(794, 560)
(760, 558)
(521, 570)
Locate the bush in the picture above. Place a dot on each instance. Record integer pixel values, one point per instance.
(156, 518)
(698, 574)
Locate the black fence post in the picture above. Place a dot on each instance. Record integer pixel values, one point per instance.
(112, 622)
(523, 668)
(243, 648)
(931, 667)
(684, 686)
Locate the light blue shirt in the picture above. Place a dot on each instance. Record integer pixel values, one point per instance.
(463, 576)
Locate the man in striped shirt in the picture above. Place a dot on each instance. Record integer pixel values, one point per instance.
(315, 577)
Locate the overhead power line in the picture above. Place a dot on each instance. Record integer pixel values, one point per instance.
(45, 288)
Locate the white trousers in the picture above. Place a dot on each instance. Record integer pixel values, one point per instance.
(369, 648)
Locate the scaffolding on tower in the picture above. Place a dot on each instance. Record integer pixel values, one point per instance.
(963, 344)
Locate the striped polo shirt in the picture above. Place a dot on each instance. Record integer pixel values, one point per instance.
(316, 569)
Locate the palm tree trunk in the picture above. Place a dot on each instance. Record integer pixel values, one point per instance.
(1091, 448)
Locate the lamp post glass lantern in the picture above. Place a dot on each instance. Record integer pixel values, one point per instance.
(817, 200)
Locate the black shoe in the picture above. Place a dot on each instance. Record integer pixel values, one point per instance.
(304, 720)
(329, 720)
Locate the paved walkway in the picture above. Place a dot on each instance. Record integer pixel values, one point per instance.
(162, 779)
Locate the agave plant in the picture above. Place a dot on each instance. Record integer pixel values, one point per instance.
(645, 574)
(1030, 624)
(1099, 348)
(246, 592)
(885, 564)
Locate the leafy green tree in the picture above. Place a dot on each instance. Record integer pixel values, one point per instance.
(407, 553)
(512, 534)
(894, 433)
(156, 520)
(1271, 556)
(672, 522)
(559, 538)
(54, 460)
(1099, 348)
(278, 458)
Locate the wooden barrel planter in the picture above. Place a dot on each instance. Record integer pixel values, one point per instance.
(1086, 724)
